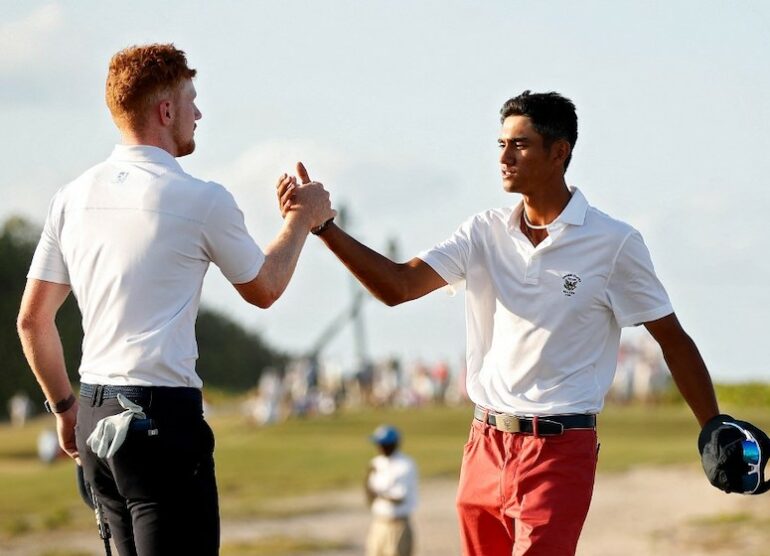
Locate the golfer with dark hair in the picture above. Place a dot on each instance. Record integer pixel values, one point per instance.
(549, 283)
(132, 238)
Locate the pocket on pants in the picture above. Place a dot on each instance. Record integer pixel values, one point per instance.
(158, 465)
(473, 435)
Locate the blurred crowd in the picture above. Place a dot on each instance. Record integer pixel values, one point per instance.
(308, 387)
(642, 374)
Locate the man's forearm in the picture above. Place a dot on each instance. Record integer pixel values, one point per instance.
(43, 350)
(381, 276)
(692, 379)
(281, 258)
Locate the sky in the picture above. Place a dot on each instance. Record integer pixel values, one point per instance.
(393, 105)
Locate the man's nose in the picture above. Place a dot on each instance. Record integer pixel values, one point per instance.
(505, 156)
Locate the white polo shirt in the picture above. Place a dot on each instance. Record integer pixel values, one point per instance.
(133, 237)
(393, 477)
(543, 323)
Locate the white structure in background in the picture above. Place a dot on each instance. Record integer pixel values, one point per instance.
(642, 374)
(19, 408)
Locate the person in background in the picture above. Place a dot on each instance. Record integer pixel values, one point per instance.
(391, 490)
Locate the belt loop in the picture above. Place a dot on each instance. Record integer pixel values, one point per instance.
(486, 419)
(534, 426)
(97, 396)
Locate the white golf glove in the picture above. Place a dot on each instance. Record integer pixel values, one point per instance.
(110, 432)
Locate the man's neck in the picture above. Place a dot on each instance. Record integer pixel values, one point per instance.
(542, 208)
(129, 137)
(547, 203)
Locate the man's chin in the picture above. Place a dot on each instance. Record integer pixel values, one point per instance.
(509, 186)
(184, 150)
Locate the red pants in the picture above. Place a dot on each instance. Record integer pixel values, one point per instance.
(525, 495)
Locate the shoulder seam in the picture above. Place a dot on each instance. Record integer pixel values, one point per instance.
(615, 258)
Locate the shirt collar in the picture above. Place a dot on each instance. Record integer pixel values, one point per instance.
(574, 213)
(144, 153)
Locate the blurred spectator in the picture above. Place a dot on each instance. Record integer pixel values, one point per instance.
(19, 408)
(391, 490)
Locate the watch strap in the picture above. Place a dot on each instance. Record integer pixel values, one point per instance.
(318, 230)
(61, 406)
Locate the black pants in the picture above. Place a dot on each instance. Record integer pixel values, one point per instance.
(158, 491)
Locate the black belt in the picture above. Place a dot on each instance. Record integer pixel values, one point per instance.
(139, 394)
(545, 425)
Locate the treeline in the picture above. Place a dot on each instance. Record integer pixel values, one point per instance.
(231, 357)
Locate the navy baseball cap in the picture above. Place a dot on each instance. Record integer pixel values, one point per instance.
(734, 455)
(385, 434)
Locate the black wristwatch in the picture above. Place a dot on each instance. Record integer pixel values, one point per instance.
(61, 406)
(318, 230)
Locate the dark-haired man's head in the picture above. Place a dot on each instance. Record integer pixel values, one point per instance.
(552, 115)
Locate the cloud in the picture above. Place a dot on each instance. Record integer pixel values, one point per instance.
(251, 177)
(42, 62)
(384, 198)
(27, 41)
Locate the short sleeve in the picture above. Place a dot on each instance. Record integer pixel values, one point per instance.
(228, 243)
(635, 293)
(48, 261)
(450, 257)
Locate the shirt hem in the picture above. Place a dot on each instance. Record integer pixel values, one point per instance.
(646, 316)
(447, 276)
(49, 276)
(248, 275)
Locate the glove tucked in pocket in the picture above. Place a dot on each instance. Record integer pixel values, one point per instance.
(110, 433)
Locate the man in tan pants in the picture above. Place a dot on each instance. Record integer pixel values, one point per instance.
(391, 488)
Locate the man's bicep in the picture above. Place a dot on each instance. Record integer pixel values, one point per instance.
(666, 331)
(421, 278)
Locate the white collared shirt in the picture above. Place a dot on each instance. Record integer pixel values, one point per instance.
(133, 237)
(543, 323)
(394, 477)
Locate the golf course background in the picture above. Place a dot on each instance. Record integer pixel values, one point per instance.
(258, 466)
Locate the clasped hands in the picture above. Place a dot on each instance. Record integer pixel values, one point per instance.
(307, 200)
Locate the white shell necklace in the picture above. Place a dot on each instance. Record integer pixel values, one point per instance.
(530, 224)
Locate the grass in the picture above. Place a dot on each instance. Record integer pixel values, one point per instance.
(279, 546)
(257, 466)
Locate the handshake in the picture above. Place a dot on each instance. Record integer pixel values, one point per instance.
(734, 455)
(307, 200)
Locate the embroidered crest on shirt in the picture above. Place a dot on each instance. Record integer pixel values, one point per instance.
(120, 177)
(571, 282)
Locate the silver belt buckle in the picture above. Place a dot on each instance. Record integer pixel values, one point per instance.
(507, 423)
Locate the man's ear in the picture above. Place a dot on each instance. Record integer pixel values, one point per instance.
(560, 150)
(165, 112)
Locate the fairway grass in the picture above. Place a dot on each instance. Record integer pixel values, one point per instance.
(258, 466)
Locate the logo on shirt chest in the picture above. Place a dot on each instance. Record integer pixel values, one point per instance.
(571, 282)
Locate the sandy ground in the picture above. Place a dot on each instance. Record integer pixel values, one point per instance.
(646, 511)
